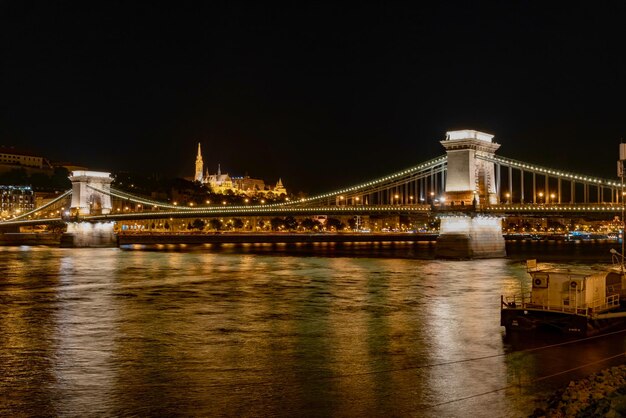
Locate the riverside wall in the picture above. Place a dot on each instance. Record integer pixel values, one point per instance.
(129, 239)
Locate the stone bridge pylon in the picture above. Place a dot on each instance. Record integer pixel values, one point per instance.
(90, 196)
(470, 182)
(90, 193)
(470, 178)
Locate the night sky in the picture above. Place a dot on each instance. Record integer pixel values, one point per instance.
(323, 95)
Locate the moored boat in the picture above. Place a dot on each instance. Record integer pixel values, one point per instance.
(581, 302)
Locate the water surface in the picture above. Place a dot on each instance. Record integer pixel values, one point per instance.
(239, 332)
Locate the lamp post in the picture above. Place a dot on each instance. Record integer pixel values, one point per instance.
(508, 198)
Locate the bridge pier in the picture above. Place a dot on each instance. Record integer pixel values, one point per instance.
(471, 181)
(470, 236)
(87, 234)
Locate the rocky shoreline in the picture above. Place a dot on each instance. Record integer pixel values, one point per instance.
(602, 394)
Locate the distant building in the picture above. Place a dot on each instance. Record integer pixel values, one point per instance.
(223, 183)
(43, 197)
(199, 165)
(16, 200)
(12, 158)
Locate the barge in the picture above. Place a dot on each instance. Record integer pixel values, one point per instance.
(581, 302)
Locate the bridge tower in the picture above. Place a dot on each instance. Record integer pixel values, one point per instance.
(470, 183)
(90, 193)
(90, 196)
(468, 176)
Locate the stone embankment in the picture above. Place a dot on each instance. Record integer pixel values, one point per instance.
(52, 239)
(602, 394)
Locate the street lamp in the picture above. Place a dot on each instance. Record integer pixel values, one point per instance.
(552, 196)
(540, 194)
(508, 197)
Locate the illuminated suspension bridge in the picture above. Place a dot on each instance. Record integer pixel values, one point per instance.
(520, 188)
(469, 178)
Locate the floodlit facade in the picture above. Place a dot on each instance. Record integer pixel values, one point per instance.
(11, 156)
(471, 177)
(223, 183)
(16, 200)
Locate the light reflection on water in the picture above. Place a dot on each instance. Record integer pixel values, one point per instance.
(196, 332)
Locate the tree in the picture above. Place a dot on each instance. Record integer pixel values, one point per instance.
(60, 179)
(15, 177)
(335, 223)
(277, 223)
(291, 223)
(198, 224)
(237, 223)
(57, 226)
(310, 224)
(215, 224)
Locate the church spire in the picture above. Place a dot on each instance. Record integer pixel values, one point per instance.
(219, 170)
(199, 165)
(279, 188)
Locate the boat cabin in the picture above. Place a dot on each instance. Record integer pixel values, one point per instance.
(577, 292)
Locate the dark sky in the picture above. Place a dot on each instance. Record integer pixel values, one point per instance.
(321, 94)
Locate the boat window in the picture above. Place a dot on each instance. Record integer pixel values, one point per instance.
(613, 278)
(540, 280)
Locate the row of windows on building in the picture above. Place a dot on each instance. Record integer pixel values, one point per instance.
(15, 200)
(21, 159)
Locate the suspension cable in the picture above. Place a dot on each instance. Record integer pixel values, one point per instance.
(39, 209)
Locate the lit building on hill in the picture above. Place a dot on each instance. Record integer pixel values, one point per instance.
(223, 183)
(12, 158)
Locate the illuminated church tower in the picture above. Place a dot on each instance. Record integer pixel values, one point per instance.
(199, 164)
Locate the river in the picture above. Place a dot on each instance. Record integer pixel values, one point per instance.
(270, 330)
